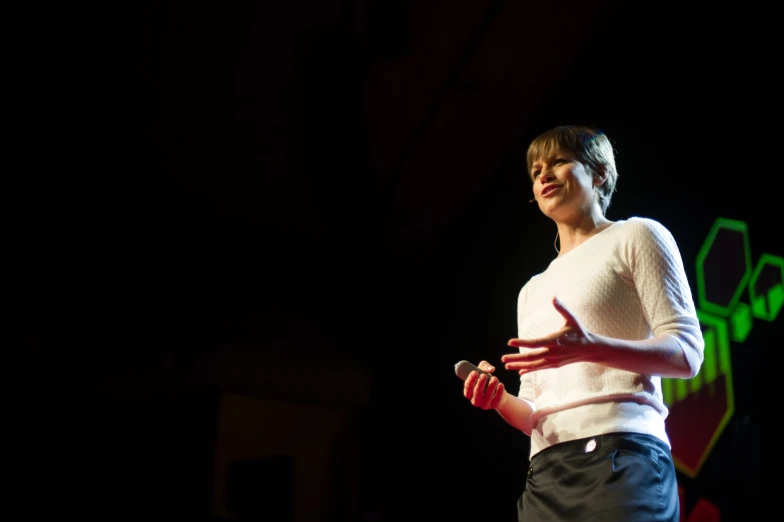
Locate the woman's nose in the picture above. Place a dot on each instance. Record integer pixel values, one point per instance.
(546, 175)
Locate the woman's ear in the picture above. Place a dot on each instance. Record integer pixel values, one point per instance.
(600, 177)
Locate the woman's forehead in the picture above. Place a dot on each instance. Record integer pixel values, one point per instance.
(550, 153)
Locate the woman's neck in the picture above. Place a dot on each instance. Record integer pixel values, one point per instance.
(573, 234)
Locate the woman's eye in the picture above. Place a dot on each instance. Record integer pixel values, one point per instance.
(536, 173)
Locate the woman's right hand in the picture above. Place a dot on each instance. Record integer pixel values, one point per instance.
(487, 397)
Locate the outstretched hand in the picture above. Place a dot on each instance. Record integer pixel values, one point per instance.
(565, 346)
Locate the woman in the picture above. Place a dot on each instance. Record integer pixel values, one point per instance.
(597, 330)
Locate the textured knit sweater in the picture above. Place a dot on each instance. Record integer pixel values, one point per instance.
(626, 282)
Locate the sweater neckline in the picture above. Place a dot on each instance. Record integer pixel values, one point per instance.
(587, 241)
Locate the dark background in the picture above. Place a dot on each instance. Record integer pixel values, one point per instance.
(281, 194)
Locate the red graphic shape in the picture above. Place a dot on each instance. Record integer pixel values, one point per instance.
(694, 421)
(704, 511)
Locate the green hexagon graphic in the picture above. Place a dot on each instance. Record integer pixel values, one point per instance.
(724, 265)
(768, 305)
(741, 322)
(701, 407)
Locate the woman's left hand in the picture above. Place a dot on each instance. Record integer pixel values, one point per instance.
(567, 345)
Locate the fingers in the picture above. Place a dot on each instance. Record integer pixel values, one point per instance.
(563, 310)
(571, 323)
(532, 343)
(499, 393)
(486, 366)
(543, 359)
(528, 366)
(482, 382)
(484, 391)
(527, 355)
(470, 385)
(528, 361)
(481, 390)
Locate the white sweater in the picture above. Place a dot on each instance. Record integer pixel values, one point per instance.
(626, 282)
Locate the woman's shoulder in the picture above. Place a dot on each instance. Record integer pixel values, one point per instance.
(642, 225)
(645, 233)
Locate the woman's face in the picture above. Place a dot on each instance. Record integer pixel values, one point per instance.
(562, 185)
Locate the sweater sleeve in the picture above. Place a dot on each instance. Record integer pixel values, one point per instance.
(656, 268)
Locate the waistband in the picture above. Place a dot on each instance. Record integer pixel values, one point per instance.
(640, 443)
